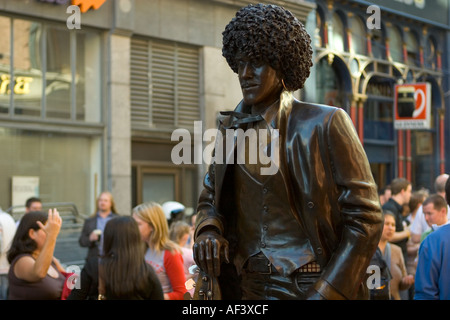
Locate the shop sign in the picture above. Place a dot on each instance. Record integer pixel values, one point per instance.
(20, 86)
(412, 106)
(84, 5)
(62, 2)
(24, 187)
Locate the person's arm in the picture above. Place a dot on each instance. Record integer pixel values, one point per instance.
(412, 247)
(26, 268)
(58, 265)
(87, 237)
(418, 226)
(401, 235)
(173, 263)
(407, 279)
(415, 238)
(427, 273)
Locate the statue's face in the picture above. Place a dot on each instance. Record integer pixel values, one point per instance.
(260, 83)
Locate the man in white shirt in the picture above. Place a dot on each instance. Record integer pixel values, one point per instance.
(435, 212)
(419, 224)
(7, 231)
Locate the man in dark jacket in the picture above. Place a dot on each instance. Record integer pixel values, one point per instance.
(91, 234)
(305, 225)
(401, 194)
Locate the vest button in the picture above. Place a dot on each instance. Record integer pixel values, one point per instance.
(265, 227)
(319, 250)
(310, 204)
(265, 190)
(265, 207)
(263, 245)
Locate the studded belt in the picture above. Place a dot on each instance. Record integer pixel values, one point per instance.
(310, 267)
(260, 264)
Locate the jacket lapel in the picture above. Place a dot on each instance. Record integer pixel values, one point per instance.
(228, 151)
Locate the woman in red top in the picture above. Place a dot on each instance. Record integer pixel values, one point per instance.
(164, 255)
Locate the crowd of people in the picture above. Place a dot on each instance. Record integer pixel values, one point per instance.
(414, 247)
(145, 255)
(155, 249)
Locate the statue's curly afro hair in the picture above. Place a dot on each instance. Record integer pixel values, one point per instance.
(271, 34)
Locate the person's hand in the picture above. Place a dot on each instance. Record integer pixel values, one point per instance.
(408, 231)
(209, 250)
(408, 280)
(53, 224)
(95, 235)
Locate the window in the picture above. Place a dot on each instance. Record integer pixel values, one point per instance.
(164, 85)
(156, 178)
(27, 67)
(5, 62)
(378, 44)
(164, 183)
(337, 38)
(358, 35)
(87, 80)
(329, 84)
(395, 43)
(430, 53)
(49, 71)
(58, 74)
(158, 187)
(320, 28)
(378, 121)
(412, 49)
(68, 166)
(378, 110)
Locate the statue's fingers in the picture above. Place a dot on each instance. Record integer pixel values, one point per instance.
(201, 257)
(226, 252)
(209, 257)
(216, 257)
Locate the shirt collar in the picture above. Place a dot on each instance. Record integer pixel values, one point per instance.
(108, 216)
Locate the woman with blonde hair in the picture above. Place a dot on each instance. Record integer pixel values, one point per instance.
(163, 254)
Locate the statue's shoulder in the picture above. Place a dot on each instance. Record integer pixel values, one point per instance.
(309, 105)
(307, 110)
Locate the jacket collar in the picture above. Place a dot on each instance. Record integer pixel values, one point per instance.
(242, 113)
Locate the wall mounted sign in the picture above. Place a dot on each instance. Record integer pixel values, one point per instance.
(412, 106)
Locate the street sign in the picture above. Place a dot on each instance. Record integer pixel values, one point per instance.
(412, 106)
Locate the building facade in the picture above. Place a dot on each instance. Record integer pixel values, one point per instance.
(94, 108)
(108, 106)
(363, 50)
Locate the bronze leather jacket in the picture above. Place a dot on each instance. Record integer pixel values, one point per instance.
(331, 190)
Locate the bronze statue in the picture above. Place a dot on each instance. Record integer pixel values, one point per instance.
(309, 229)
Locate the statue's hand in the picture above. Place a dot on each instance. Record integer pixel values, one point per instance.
(209, 250)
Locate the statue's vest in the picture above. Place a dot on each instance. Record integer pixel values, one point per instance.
(265, 223)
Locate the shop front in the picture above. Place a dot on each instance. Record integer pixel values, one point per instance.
(51, 122)
(364, 65)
